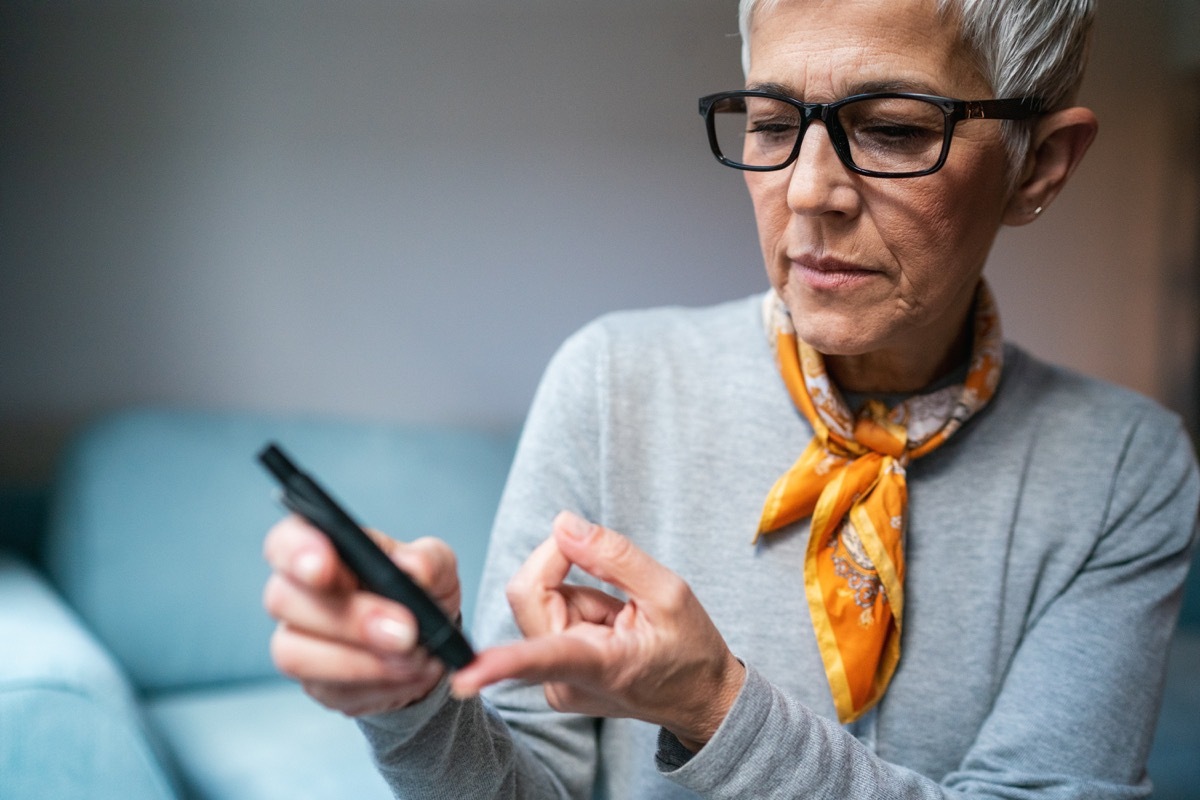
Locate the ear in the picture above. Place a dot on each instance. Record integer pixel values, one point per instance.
(1057, 146)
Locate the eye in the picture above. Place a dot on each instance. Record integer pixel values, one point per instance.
(901, 125)
(771, 123)
(773, 131)
(893, 134)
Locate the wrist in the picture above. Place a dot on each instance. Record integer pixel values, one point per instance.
(408, 717)
(706, 721)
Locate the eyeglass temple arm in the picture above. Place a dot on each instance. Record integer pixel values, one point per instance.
(1011, 108)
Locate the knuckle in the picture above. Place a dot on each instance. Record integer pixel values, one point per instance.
(275, 544)
(285, 537)
(429, 561)
(559, 697)
(674, 592)
(439, 558)
(516, 590)
(273, 598)
(440, 552)
(618, 548)
(323, 693)
(284, 655)
(336, 697)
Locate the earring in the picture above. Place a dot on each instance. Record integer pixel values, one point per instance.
(1037, 211)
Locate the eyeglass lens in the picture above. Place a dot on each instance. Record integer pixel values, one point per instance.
(888, 135)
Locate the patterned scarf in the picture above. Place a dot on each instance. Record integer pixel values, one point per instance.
(851, 481)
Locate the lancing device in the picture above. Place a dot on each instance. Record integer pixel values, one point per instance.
(375, 571)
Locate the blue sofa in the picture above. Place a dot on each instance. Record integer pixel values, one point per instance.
(134, 655)
(133, 648)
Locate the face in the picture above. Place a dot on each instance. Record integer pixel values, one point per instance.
(883, 269)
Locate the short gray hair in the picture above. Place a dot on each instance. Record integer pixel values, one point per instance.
(1023, 48)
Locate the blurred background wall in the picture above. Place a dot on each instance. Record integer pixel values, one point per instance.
(397, 210)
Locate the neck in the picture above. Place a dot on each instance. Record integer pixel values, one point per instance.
(905, 369)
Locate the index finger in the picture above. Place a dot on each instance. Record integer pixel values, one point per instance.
(615, 559)
(296, 549)
(544, 570)
(557, 657)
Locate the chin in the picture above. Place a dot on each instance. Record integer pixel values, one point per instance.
(833, 339)
(836, 332)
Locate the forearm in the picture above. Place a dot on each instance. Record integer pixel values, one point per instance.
(772, 746)
(446, 748)
(510, 744)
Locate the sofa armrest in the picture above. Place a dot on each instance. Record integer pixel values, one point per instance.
(70, 724)
(1175, 758)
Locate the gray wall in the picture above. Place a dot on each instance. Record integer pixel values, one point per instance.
(397, 210)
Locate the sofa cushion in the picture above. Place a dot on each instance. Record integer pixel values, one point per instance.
(69, 726)
(263, 741)
(157, 520)
(69, 747)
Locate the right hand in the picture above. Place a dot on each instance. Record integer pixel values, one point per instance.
(351, 650)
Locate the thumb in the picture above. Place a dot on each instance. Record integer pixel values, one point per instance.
(612, 558)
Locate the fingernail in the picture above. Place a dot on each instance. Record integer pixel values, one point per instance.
(391, 634)
(574, 526)
(307, 566)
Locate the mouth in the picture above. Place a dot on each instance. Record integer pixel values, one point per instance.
(827, 273)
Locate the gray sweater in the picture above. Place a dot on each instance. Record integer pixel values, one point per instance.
(1047, 545)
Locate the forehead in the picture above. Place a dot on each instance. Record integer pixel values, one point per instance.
(826, 49)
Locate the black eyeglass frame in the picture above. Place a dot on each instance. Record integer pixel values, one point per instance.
(954, 111)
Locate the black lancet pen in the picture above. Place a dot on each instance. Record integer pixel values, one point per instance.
(375, 571)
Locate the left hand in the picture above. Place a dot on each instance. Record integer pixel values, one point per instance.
(657, 657)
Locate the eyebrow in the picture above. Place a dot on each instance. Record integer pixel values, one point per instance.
(865, 87)
(774, 88)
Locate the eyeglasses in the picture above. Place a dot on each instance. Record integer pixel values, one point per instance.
(884, 135)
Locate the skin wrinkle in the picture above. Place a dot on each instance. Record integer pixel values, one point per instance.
(927, 237)
(1018, 50)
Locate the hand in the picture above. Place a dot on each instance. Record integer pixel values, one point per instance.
(656, 657)
(351, 650)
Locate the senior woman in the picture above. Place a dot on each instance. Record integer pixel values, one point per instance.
(866, 549)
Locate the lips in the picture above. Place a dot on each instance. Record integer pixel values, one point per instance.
(829, 273)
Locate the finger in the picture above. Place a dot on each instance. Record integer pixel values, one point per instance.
(535, 611)
(299, 551)
(309, 658)
(361, 618)
(567, 658)
(431, 563)
(373, 698)
(295, 548)
(587, 604)
(616, 560)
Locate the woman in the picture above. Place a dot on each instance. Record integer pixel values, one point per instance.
(869, 550)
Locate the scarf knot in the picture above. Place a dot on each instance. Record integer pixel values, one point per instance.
(875, 432)
(851, 480)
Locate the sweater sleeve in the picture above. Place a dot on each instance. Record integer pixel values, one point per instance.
(511, 744)
(1075, 714)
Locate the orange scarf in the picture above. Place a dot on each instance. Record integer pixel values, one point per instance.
(851, 481)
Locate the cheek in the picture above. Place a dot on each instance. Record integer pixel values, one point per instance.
(942, 234)
(921, 231)
(771, 213)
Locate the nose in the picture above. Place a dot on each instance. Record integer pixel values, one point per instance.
(819, 182)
